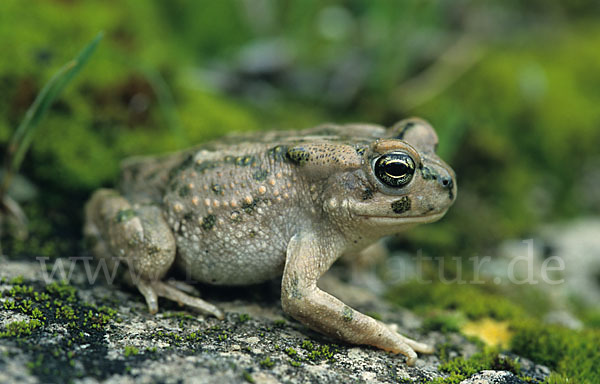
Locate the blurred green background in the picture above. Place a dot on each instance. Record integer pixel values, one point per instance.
(512, 87)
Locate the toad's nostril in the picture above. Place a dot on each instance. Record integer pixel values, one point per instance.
(447, 182)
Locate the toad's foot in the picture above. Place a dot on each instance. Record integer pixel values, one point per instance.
(417, 346)
(154, 289)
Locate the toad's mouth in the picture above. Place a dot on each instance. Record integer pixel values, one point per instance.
(388, 219)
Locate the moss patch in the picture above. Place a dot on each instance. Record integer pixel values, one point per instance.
(57, 304)
(460, 368)
(473, 301)
(572, 354)
(444, 322)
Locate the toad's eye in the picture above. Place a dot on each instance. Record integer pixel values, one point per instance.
(395, 169)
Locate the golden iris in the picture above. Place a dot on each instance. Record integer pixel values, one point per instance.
(395, 169)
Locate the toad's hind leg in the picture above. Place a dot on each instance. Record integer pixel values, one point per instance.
(139, 237)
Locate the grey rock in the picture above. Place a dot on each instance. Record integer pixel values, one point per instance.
(562, 261)
(577, 245)
(493, 377)
(255, 343)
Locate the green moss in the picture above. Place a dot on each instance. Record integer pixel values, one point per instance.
(39, 305)
(279, 323)
(444, 322)
(97, 109)
(574, 354)
(20, 328)
(243, 317)
(130, 351)
(471, 300)
(17, 280)
(248, 377)
(37, 364)
(267, 363)
(460, 368)
(308, 345)
(62, 290)
(314, 353)
(174, 338)
(178, 315)
(322, 353)
(51, 305)
(571, 354)
(443, 350)
(19, 290)
(556, 378)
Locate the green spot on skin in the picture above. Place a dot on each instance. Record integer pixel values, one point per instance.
(205, 165)
(402, 205)
(244, 161)
(260, 175)
(236, 217)
(249, 208)
(295, 289)
(184, 191)
(216, 188)
(277, 153)
(125, 215)
(208, 222)
(348, 314)
(429, 174)
(298, 155)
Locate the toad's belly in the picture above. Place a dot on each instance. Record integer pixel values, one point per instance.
(232, 261)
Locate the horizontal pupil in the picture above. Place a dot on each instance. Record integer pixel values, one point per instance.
(396, 169)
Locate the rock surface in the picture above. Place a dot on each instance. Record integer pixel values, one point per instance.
(493, 377)
(100, 333)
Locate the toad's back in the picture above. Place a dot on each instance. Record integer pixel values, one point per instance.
(232, 210)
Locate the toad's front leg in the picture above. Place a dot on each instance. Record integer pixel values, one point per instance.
(307, 259)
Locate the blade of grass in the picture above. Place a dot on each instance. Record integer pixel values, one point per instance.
(21, 139)
(166, 104)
